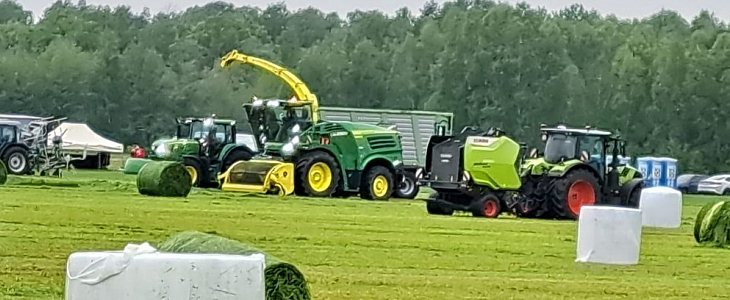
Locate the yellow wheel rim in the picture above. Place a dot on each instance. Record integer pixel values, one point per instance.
(193, 173)
(320, 177)
(380, 186)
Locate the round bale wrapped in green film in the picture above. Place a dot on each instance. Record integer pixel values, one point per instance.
(3, 173)
(283, 280)
(700, 217)
(164, 179)
(714, 229)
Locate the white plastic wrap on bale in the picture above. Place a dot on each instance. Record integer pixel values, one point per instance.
(142, 273)
(609, 235)
(661, 207)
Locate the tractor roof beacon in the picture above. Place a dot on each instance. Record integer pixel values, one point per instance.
(308, 156)
(572, 171)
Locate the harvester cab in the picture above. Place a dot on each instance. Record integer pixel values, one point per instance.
(331, 158)
(278, 124)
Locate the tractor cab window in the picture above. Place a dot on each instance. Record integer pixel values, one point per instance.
(183, 131)
(592, 145)
(197, 131)
(7, 134)
(559, 147)
(292, 120)
(221, 133)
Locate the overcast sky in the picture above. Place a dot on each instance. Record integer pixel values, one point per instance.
(621, 8)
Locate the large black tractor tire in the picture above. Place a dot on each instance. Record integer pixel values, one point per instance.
(377, 184)
(434, 208)
(196, 171)
(318, 174)
(569, 193)
(409, 188)
(634, 200)
(486, 206)
(16, 161)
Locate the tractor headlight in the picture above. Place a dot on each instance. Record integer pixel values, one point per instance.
(419, 173)
(295, 140)
(258, 103)
(295, 129)
(466, 177)
(287, 149)
(272, 103)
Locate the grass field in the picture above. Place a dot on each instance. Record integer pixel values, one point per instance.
(348, 249)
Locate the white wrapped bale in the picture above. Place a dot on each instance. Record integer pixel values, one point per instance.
(609, 235)
(661, 207)
(142, 273)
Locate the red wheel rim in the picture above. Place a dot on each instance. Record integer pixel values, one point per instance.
(490, 208)
(581, 193)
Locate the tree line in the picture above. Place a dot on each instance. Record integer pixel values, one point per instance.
(662, 82)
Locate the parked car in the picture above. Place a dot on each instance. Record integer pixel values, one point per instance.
(687, 183)
(718, 185)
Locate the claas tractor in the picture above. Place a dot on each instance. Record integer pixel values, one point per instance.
(487, 173)
(206, 146)
(327, 158)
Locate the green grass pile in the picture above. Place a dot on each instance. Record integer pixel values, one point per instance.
(165, 179)
(712, 225)
(283, 280)
(3, 173)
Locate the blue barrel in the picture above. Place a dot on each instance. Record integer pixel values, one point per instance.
(669, 172)
(644, 164)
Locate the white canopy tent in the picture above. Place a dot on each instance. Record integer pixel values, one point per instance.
(78, 136)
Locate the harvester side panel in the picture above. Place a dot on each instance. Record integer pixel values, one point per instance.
(490, 162)
(416, 127)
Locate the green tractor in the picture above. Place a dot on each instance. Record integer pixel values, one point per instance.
(206, 147)
(486, 173)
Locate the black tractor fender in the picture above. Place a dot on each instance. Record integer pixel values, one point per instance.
(225, 157)
(583, 166)
(629, 187)
(224, 154)
(5, 147)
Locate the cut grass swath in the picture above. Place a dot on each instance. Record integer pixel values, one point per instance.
(283, 280)
(165, 179)
(712, 226)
